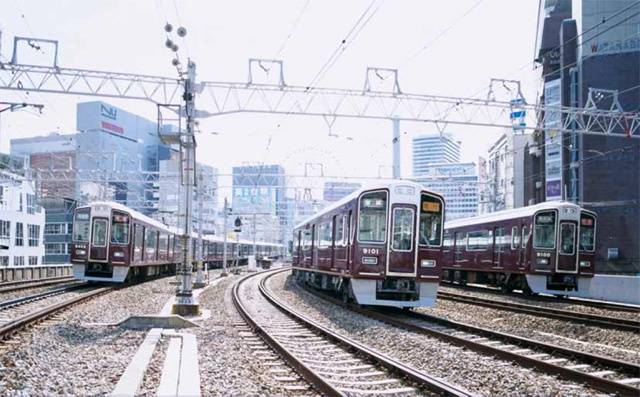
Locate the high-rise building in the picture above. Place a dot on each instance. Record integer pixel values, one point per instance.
(502, 181)
(434, 149)
(458, 183)
(334, 191)
(600, 70)
(58, 229)
(260, 190)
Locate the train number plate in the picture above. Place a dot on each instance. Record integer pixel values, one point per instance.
(371, 251)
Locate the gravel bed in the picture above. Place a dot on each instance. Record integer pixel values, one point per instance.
(5, 296)
(152, 376)
(623, 345)
(476, 372)
(227, 364)
(73, 355)
(563, 305)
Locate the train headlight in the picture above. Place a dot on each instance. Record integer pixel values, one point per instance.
(427, 263)
(585, 263)
(542, 261)
(369, 260)
(81, 252)
(118, 254)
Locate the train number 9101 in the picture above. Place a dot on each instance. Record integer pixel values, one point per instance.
(370, 251)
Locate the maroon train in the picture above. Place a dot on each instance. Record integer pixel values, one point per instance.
(546, 248)
(380, 246)
(112, 242)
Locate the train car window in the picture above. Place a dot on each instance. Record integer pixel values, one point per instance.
(99, 232)
(587, 232)
(515, 238)
(544, 231)
(338, 221)
(525, 235)
(81, 226)
(372, 225)
(501, 240)
(119, 228)
(430, 221)
(567, 238)
(306, 239)
(478, 240)
(325, 234)
(403, 221)
(150, 243)
(138, 238)
(447, 242)
(162, 245)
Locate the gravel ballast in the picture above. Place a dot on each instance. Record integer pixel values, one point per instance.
(72, 353)
(478, 373)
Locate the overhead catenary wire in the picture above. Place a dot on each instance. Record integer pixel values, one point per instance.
(293, 28)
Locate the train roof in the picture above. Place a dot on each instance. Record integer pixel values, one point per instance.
(510, 214)
(372, 186)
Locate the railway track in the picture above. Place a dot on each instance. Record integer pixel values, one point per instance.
(334, 364)
(602, 373)
(560, 314)
(552, 299)
(18, 313)
(12, 286)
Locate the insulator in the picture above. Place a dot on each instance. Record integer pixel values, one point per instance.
(168, 27)
(181, 31)
(174, 48)
(175, 62)
(168, 43)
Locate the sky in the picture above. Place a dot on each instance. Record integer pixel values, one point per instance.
(439, 47)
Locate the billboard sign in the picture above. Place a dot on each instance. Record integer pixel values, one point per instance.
(553, 141)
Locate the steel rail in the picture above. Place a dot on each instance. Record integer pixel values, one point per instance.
(423, 379)
(553, 299)
(597, 382)
(30, 298)
(13, 326)
(11, 286)
(317, 381)
(567, 315)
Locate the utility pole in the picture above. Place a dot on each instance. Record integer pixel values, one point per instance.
(200, 278)
(185, 304)
(396, 148)
(224, 233)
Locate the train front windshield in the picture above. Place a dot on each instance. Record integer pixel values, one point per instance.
(544, 232)
(373, 217)
(81, 222)
(430, 221)
(587, 232)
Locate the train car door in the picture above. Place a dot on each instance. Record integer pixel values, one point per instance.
(458, 246)
(99, 243)
(516, 250)
(567, 261)
(498, 247)
(402, 247)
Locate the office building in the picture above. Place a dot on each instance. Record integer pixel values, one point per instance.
(334, 191)
(458, 183)
(434, 149)
(58, 229)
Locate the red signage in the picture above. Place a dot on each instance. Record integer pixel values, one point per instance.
(112, 127)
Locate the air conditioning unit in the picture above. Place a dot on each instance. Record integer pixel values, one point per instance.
(538, 184)
(534, 151)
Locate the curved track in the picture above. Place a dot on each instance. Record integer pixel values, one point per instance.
(603, 373)
(21, 312)
(334, 364)
(560, 314)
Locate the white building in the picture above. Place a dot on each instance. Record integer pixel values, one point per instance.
(21, 223)
(458, 183)
(434, 149)
(503, 180)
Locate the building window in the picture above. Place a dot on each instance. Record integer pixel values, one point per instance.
(18, 261)
(4, 261)
(33, 261)
(34, 235)
(19, 234)
(31, 203)
(5, 229)
(1, 194)
(55, 228)
(54, 249)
